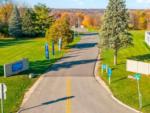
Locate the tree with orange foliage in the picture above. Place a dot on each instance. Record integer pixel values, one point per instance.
(87, 22)
(5, 12)
(80, 18)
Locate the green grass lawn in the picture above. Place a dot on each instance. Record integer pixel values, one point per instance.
(15, 49)
(123, 88)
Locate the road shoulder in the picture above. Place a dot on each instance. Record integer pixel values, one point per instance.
(101, 82)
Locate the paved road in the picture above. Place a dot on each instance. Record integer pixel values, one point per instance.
(70, 86)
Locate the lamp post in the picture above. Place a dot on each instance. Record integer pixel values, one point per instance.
(138, 77)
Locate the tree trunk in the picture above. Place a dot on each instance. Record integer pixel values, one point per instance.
(115, 57)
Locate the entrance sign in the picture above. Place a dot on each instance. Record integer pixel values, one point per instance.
(46, 51)
(16, 67)
(3, 90)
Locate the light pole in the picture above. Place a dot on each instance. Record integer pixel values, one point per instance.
(140, 95)
(138, 77)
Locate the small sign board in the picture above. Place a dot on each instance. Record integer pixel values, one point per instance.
(137, 76)
(3, 90)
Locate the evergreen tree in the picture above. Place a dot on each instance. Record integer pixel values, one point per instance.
(28, 23)
(15, 23)
(43, 19)
(115, 33)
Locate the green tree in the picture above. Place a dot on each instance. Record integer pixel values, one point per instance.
(28, 23)
(142, 21)
(115, 33)
(15, 23)
(60, 29)
(43, 19)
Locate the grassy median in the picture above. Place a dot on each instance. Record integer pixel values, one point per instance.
(14, 49)
(123, 88)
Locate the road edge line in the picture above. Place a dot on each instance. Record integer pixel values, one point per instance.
(101, 82)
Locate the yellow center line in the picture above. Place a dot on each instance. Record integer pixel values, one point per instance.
(68, 93)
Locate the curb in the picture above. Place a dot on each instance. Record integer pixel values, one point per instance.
(101, 82)
(30, 91)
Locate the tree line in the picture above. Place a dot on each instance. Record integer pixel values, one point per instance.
(24, 21)
(27, 22)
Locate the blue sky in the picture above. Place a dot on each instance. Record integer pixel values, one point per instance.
(134, 4)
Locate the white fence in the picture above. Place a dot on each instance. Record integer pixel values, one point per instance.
(138, 67)
(147, 37)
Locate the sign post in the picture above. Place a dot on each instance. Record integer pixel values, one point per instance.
(109, 75)
(46, 51)
(138, 77)
(3, 90)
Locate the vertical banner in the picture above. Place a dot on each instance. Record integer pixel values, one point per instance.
(46, 51)
(60, 44)
(109, 75)
(53, 48)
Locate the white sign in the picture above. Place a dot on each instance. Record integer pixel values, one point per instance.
(147, 37)
(3, 90)
(138, 67)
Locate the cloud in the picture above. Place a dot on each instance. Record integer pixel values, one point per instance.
(143, 1)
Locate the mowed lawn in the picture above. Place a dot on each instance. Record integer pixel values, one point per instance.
(123, 88)
(15, 49)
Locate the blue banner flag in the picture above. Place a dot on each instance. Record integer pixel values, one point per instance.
(104, 66)
(46, 51)
(109, 72)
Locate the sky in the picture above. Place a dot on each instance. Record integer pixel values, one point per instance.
(94, 4)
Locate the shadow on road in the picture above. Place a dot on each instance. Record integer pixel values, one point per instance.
(89, 34)
(47, 103)
(70, 64)
(85, 45)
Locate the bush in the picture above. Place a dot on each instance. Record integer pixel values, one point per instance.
(60, 29)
